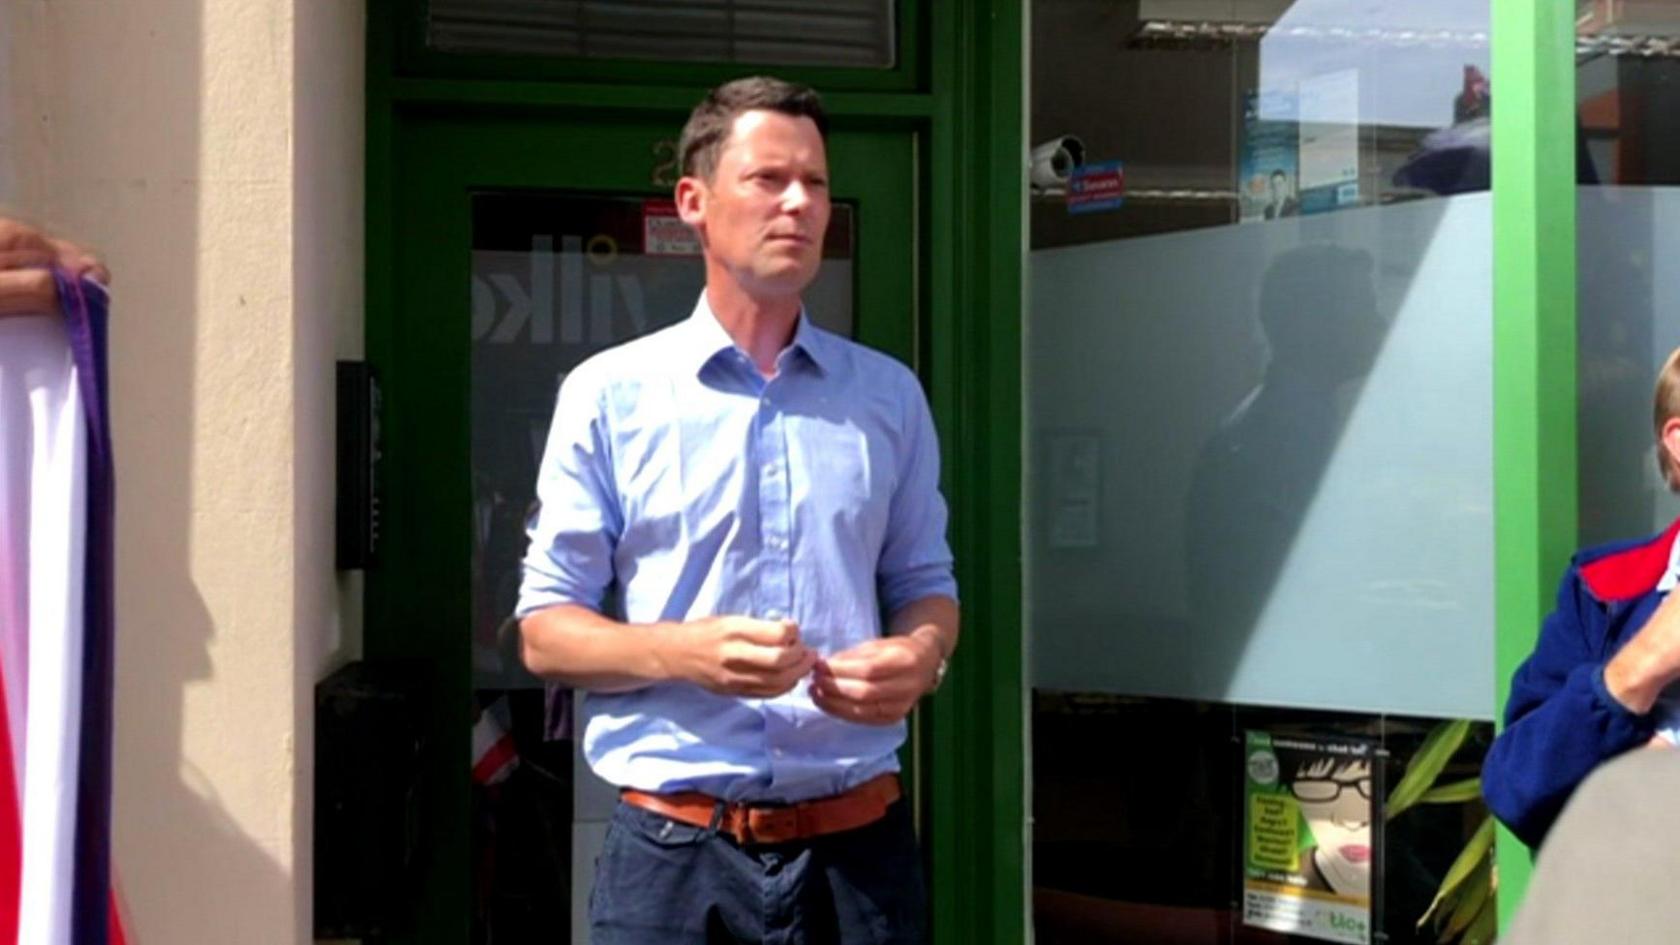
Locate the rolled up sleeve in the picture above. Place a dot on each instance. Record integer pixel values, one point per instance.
(574, 530)
(915, 557)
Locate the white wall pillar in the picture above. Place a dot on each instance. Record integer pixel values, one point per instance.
(212, 151)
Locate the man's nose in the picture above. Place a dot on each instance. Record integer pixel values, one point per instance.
(796, 198)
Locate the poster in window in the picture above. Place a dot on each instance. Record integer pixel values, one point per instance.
(1312, 836)
(1328, 106)
(1268, 172)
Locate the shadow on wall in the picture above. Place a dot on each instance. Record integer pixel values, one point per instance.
(107, 100)
(1256, 477)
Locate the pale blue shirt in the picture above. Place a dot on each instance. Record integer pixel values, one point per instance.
(679, 483)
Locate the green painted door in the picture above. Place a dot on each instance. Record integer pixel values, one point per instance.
(522, 243)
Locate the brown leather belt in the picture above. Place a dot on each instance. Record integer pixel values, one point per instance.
(751, 823)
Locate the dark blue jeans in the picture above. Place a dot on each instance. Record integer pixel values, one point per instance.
(660, 882)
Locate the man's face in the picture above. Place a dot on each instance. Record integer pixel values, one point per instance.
(1280, 188)
(763, 214)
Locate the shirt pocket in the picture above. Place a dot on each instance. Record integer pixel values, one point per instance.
(845, 479)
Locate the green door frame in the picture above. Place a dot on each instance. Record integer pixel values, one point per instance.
(1535, 495)
(962, 85)
(979, 828)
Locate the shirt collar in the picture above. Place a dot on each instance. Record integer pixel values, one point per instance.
(707, 340)
(1671, 577)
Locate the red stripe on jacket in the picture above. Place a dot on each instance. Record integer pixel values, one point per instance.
(1631, 572)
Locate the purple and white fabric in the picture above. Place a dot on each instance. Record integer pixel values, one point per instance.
(56, 625)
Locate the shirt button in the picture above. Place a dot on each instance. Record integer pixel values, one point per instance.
(777, 752)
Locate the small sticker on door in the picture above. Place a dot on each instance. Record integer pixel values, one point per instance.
(664, 233)
(1093, 188)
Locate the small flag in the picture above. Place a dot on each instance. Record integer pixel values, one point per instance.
(56, 625)
(494, 754)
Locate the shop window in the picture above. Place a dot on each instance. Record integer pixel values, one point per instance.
(1259, 467)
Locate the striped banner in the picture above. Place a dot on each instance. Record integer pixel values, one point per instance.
(56, 626)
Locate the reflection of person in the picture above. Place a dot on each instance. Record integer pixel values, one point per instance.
(752, 493)
(27, 258)
(1256, 477)
(1593, 687)
(1282, 193)
(1335, 799)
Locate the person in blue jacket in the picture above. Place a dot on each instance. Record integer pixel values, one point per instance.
(1594, 686)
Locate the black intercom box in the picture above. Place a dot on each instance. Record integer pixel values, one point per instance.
(370, 748)
(357, 540)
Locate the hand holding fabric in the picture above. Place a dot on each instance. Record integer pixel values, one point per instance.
(27, 258)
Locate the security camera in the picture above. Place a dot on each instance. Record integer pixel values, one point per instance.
(1055, 159)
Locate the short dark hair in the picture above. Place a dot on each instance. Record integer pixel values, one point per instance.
(712, 120)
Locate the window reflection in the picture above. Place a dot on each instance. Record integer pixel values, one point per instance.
(1320, 105)
(1628, 89)
(1256, 477)
(1628, 222)
(1259, 453)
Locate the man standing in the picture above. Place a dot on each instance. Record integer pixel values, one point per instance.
(728, 507)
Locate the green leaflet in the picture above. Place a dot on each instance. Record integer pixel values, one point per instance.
(1456, 793)
(1427, 764)
(1469, 858)
(1472, 898)
(1481, 930)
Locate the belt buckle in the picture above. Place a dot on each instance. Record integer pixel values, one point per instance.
(771, 824)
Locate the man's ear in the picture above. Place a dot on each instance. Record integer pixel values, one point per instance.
(691, 201)
(1670, 445)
